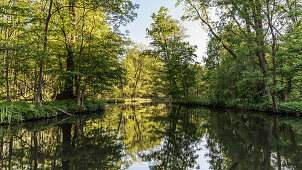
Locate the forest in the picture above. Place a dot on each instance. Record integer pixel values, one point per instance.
(74, 50)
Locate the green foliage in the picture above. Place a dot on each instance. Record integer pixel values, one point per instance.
(230, 79)
(250, 56)
(290, 63)
(142, 74)
(290, 107)
(20, 111)
(79, 55)
(177, 55)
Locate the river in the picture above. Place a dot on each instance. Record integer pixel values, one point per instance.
(155, 136)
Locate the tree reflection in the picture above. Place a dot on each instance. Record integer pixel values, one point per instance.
(180, 144)
(167, 137)
(134, 125)
(70, 145)
(251, 141)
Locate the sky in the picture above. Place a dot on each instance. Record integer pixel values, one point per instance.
(137, 29)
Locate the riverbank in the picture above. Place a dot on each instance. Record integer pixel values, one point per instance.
(19, 111)
(289, 108)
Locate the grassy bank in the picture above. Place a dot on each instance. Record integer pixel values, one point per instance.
(291, 108)
(20, 111)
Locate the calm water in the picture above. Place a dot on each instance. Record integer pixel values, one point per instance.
(157, 136)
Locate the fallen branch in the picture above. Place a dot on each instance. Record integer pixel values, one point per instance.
(64, 112)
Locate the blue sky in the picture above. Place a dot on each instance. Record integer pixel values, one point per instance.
(137, 29)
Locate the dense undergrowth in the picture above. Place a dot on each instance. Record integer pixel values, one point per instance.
(18, 111)
(283, 107)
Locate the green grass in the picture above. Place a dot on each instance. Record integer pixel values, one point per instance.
(18, 111)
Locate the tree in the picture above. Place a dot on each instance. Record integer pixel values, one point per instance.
(176, 54)
(39, 89)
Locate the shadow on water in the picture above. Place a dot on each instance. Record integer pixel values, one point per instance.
(155, 136)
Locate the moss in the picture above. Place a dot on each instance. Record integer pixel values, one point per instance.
(19, 111)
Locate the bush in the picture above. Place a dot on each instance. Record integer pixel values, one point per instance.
(20, 111)
(290, 107)
(284, 108)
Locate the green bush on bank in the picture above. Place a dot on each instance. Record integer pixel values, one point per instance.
(283, 107)
(19, 110)
(290, 107)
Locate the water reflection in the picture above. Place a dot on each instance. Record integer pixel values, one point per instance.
(253, 141)
(180, 138)
(163, 136)
(69, 145)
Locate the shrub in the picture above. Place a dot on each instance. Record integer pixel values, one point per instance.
(20, 111)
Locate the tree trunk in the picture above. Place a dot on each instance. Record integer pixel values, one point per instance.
(70, 65)
(35, 150)
(7, 76)
(260, 43)
(66, 152)
(68, 86)
(10, 152)
(274, 39)
(288, 90)
(40, 81)
(276, 124)
(87, 68)
(79, 91)
(80, 63)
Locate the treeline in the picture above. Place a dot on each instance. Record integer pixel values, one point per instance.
(73, 49)
(69, 49)
(253, 55)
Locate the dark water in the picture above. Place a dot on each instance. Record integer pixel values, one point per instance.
(157, 136)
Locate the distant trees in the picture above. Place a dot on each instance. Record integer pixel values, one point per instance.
(166, 68)
(177, 55)
(142, 73)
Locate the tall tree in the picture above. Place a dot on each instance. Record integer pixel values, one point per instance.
(177, 55)
(40, 81)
